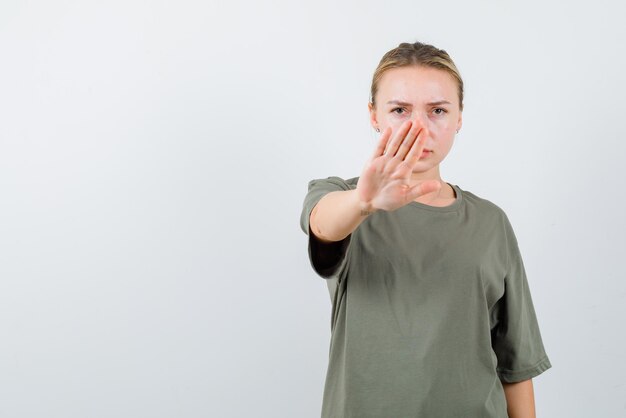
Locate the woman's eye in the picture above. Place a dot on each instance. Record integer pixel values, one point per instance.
(442, 110)
(397, 108)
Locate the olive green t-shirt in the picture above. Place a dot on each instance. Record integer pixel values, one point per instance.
(431, 310)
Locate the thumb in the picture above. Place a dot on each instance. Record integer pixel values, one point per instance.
(423, 188)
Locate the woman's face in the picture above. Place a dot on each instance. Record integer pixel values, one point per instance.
(428, 97)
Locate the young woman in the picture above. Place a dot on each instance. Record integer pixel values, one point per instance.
(432, 314)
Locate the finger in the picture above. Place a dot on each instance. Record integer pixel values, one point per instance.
(408, 142)
(397, 138)
(418, 146)
(422, 188)
(382, 143)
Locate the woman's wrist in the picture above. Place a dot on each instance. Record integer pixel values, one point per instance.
(365, 208)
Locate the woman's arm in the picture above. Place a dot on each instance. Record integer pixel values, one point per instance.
(385, 179)
(337, 215)
(520, 399)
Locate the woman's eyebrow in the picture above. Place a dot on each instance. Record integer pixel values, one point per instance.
(401, 103)
(438, 102)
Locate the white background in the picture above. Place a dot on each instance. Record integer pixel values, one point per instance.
(154, 157)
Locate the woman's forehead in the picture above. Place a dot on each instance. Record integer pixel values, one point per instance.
(416, 84)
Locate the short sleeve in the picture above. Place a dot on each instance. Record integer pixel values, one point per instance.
(327, 259)
(516, 339)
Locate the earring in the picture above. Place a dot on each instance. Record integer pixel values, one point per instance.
(377, 129)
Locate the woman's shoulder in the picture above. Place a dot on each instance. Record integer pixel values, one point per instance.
(481, 204)
(336, 181)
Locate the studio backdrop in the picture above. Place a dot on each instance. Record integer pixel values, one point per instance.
(154, 158)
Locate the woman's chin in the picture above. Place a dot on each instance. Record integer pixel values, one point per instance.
(423, 166)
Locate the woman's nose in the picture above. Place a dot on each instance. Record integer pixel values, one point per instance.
(419, 120)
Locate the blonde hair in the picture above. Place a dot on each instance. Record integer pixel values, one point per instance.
(407, 54)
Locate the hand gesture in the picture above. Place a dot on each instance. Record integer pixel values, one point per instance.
(385, 180)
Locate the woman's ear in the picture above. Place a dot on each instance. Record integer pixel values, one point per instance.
(372, 111)
(460, 122)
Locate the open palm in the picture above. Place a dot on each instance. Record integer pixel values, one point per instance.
(385, 180)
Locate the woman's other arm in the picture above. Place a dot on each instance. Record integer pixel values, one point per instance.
(520, 399)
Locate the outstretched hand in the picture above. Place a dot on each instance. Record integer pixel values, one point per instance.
(385, 180)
